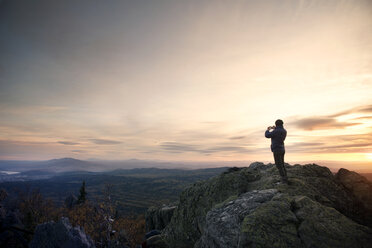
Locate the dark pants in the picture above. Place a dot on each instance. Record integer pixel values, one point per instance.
(279, 162)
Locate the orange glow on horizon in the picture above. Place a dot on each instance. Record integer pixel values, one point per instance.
(369, 156)
(186, 80)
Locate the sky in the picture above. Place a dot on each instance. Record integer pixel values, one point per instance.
(186, 80)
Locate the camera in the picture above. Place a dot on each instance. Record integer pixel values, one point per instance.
(271, 127)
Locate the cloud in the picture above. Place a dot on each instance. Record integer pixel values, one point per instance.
(105, 142)
(228, 149)
(330, 121)
(68, 143)
(359, 143)
(179, 147)
(320, 122)
(307, 144)
(363, 118)
(366, 109)
(29, 149)
(78, 151)
(30, 109)
(176, 147)
(24, 143)
(237, 137)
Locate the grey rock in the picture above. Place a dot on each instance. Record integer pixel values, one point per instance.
(60, 235)
(272, 224)
(287, 221)
(152, 233)
(321, 226)
(223, 224)
(358, 185)
(260, 166)
(159, 218)
(156, 241)
(188, 220)
(249, 208)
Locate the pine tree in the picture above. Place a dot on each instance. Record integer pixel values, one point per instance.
(83, 193)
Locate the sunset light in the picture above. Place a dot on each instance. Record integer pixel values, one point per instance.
(186, 123)
(369, 155)
(186, 80)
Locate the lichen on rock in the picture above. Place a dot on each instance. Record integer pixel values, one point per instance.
(249, 207)
(223, 224)
(158, 218)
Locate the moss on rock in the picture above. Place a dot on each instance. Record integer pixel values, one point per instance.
(315, 209)
(273, 224)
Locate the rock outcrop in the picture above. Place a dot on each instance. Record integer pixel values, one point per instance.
(223, 224)
(358, 185)
(60, 234)
(159, 218)
(12, 230)
(250, 207)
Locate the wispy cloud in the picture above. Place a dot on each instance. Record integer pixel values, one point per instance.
(30, 149)
(330, 121)
(105, 142)
(363, 118)
(78, 151)
(181, 147)
(114, 94)
(68, 143)
(320, 122)
(336, 141)
(237, 137)
(360, 143)
(366, 109)
(229, 149)
(25, 143)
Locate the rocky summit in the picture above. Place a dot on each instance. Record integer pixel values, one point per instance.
(250, 207)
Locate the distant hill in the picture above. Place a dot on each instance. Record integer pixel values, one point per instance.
(52, 166)
(70, 164)
(134, 190)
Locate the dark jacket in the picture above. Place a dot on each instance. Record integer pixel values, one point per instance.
(277, 138)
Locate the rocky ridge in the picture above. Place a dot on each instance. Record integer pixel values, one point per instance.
(159, 218)
(249, 207)
(60, 234)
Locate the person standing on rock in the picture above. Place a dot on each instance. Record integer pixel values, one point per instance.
(277, 136)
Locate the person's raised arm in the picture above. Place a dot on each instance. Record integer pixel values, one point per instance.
(269, 134)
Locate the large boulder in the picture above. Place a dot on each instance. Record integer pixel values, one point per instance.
(188, 220)
(60, 235)
(300, 222)
(223, 223)
(272, 224)
(267, 218)
(250, 207)
(360, 189)
(159, 218)
(321, 226)
(12, 231)
(358, 185)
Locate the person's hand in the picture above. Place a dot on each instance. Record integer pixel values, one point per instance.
(270, 127)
